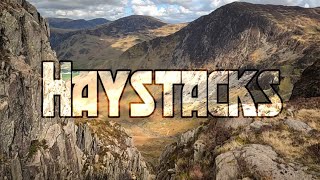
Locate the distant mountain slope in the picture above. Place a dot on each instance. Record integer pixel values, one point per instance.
(238, 35)
(64, 23)
(58, 35)
(103, 45)
(128, 24)
(98, 21)
(124, 25)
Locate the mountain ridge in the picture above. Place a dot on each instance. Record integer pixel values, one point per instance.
(128, 24)
(71, 24)
(232, 12)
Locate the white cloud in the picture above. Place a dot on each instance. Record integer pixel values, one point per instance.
(167, 10)
(188, 10)
(146, 7)
(82, 9)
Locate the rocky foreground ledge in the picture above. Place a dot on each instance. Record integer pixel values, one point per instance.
(286, 147)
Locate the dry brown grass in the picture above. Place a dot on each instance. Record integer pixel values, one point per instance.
(168, 29)
(230, 146)
(282, 142)
(125, 43)
(258, 55)
(293, 146)
(310, 116)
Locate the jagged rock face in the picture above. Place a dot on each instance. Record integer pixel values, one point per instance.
(115, 156)
(33, 147)
(23, 131)
(24, 43)
(309, 84)
(24, 33)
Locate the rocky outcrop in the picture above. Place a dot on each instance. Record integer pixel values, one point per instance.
(255, 161)
(33, 147)
(298, 125)
(219, 151)
(112, 154)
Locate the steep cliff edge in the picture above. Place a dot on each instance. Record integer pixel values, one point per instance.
(32, 147)
(309, 84)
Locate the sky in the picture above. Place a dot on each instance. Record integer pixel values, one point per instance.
(171, 11)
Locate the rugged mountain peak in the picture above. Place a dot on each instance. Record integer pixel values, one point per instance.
(142, 18)
(241, 27)
(129, 24)
(238, 36)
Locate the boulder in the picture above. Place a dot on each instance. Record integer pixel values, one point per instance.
(298, 125)
(236, 123)
(199, 150)
(258, 125)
